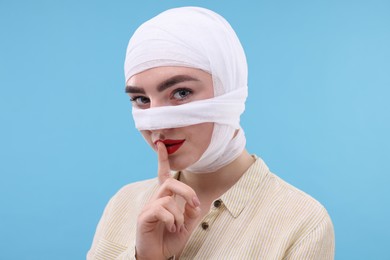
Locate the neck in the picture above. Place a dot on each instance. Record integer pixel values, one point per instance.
(212, 185)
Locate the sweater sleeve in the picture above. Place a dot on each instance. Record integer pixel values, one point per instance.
(318, 244)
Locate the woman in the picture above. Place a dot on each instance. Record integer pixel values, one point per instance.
(186, 75)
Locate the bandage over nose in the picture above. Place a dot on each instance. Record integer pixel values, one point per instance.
(196, 38)
(225, 110)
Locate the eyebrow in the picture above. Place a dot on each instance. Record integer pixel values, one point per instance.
(163, 85)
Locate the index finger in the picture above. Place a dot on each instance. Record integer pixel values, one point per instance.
(164, 169)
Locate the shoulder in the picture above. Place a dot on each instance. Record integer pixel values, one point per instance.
(303, 219)
(306, 222)
(134, 193)
(272, 189)
(116, 228)
(287, 206)
(293, 199)
(120, 214)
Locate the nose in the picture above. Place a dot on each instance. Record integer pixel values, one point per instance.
(158, 103)
(157, 135)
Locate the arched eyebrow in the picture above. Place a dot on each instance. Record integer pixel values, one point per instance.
(134, 89)
(163, 85)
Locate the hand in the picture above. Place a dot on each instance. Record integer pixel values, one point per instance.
(166, 222)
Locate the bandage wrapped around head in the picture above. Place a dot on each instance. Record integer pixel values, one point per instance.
(197, 38)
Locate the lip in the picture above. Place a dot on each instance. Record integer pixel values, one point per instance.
(171, 145)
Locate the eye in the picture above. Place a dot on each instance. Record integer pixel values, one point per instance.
(181, 94)
(140, 100)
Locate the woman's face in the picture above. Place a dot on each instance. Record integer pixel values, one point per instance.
(172, 86)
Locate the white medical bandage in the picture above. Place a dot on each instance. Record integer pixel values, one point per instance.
(197, 38)
(225, 110)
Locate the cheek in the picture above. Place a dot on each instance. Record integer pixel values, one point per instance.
(204, 132)
(210, 128)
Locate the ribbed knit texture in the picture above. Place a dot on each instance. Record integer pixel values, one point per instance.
(260, 217)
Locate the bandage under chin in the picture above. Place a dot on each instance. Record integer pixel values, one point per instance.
(225, 110)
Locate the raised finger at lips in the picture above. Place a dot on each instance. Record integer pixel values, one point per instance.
(164, 169)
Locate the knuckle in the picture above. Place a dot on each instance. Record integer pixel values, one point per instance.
(170, 181)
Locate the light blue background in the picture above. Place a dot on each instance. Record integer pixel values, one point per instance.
(318, 114)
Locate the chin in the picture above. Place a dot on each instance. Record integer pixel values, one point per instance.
(178, 167)
(179, 164)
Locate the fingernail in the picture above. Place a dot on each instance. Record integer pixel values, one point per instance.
(196, 201)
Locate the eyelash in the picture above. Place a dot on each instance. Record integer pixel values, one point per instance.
(188, 91)
(176, 91)
(134, 99)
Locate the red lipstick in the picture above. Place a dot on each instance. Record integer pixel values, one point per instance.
(171, 145)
